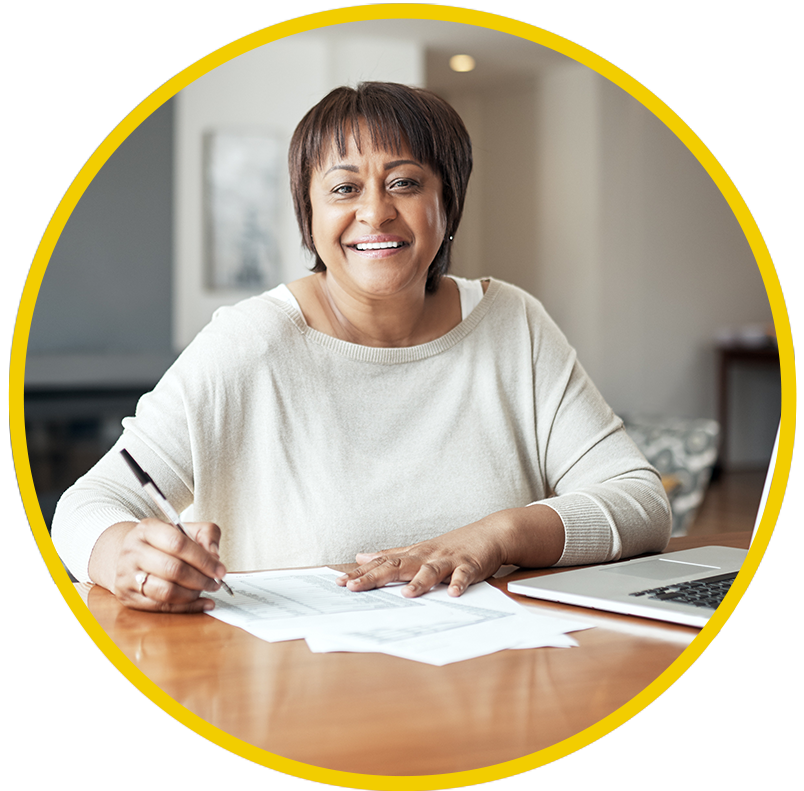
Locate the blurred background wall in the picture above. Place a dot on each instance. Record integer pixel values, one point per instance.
(579, 195)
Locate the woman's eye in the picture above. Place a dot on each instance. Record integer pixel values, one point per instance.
(403, 183)
(344, 189)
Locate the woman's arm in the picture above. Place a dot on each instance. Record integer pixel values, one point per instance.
(108, 531)
(592, 519)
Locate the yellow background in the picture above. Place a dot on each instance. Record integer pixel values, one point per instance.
(82, 76)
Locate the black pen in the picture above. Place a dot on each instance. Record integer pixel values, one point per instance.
(161, 501)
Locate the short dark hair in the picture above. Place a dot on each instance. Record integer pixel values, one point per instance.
(395, 115)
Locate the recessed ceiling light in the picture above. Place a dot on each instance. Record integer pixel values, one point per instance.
(462, 63)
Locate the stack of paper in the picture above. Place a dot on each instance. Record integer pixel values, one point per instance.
(435, 628)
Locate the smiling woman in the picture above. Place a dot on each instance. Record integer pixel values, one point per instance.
(397, 119)
(375, 209)
(378, 221)
(375, 403)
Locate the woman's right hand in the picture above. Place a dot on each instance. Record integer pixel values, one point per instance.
(150, 565)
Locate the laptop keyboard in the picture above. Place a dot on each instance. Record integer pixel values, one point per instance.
(706, 592)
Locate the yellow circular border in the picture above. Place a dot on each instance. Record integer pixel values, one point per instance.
(705, 717)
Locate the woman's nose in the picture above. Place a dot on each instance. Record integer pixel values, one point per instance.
(376, 207)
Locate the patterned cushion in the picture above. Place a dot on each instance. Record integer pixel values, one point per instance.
(684, 452)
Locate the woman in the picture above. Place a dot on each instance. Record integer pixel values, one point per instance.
(375, 403)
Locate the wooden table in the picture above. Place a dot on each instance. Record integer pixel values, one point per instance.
(377, 714)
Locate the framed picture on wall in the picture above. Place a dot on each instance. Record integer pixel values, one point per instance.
(241, 207)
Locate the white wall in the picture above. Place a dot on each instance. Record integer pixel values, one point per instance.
(583, 197)
(270, 89)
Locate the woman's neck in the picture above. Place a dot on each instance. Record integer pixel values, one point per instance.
(400, 320)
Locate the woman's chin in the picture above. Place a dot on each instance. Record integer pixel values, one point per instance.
(380, 280)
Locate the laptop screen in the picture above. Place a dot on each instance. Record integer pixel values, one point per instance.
(766, 488)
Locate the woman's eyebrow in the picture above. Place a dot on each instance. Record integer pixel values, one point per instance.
(388, 166)
(350, 168)
(397, 162)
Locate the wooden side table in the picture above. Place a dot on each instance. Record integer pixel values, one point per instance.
(730, 354)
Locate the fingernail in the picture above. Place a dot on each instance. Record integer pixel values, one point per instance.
(220, 571)
(208, 604)
(214, 548)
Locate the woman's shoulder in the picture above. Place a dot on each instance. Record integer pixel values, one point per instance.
(259, 317)
(516, 313)
(506, 296)
(284, 295)
(258, 326)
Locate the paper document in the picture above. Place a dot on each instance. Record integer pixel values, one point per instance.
(287, 605)
(435, 628)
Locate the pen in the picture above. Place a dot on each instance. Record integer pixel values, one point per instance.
(161, 502)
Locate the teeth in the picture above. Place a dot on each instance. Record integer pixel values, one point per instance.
(378, 245)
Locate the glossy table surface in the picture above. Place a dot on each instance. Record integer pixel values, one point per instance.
(377, 714)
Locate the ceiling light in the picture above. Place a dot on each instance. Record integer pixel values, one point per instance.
(462, 63)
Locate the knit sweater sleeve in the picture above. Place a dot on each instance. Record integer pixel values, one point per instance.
(161, 437)
(610, 500)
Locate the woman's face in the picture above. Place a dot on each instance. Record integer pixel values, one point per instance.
(378, 219)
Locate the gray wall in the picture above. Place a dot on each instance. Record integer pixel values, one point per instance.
(107, 289)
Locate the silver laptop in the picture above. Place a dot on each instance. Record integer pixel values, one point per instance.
(682, 587)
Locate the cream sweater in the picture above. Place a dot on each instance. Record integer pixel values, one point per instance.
(306, 449)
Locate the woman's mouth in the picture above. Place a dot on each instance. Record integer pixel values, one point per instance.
(378, 245)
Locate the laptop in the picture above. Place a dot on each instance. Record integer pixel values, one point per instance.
(681, 587)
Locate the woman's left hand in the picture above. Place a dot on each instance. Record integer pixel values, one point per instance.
(466, 555)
